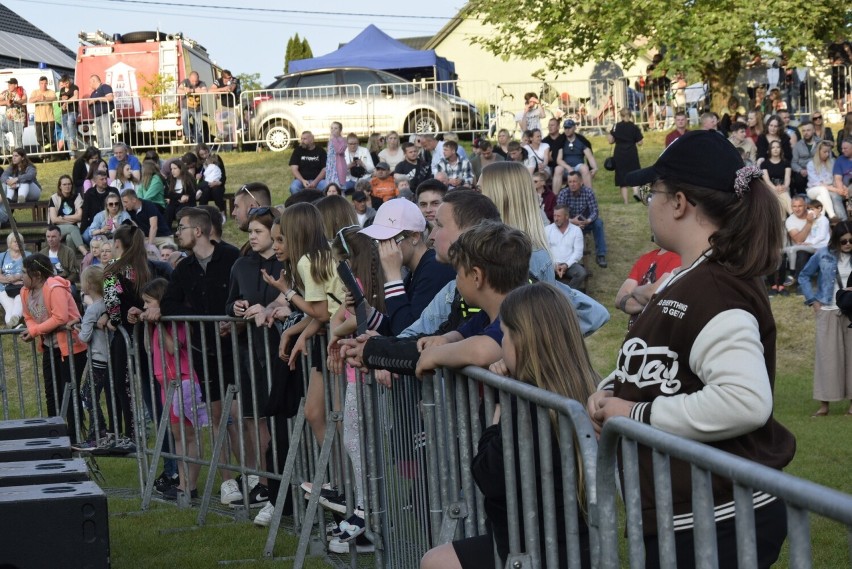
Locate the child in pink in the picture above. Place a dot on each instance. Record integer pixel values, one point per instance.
(187, 402)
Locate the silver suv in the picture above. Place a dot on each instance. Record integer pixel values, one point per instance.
(363, 100)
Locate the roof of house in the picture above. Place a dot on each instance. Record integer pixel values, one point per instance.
(24, 45)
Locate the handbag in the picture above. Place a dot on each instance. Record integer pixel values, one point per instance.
(609, 163)
(13, 290)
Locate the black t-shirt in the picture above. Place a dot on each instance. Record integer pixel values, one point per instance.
(189, 100)
(555, 144)
(65, 93)
(310, 162)
(143, 219)
(775, 171)
(228, 99)
(415, 173)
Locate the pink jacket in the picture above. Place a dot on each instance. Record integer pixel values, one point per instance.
(61, 310)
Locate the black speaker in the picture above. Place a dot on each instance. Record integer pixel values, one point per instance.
(33, 428)
(35, 449)
(54, 525)
(43, 472)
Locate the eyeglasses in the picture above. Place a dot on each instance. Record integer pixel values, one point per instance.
(251, 195)
(112, 204)
(817, 118)
(845, 241)
(182, 227)
(647, 192)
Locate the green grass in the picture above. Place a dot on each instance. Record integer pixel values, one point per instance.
(823, 456)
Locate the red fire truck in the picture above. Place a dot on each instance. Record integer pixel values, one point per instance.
(144, 70)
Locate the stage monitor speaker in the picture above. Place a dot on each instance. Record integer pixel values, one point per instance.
(43, 472)
(54, 525)
(35, 449)
(33, 428)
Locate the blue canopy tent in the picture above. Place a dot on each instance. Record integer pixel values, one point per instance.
(375, 49)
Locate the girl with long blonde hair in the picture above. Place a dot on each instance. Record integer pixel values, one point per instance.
(534, 352)
(510, 186)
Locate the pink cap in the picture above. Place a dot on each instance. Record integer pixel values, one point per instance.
(394, 217)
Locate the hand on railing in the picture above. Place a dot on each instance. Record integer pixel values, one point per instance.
(335, 359)
(603, 406)
(256, 312)
(499, 367)
(353, 350)
(133, 315)
(26, 337)
(383, 377)
(430, 342)
(151, 314)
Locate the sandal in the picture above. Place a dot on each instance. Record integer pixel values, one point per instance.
(822, 413)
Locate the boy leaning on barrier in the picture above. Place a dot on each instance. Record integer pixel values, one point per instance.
(491, 260)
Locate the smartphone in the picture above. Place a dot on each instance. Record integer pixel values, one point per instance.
(344, 271)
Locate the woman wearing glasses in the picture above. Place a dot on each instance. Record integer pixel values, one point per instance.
(65, 212)
(699, 361)
(831, 266)
(820, 130)
(106, 221)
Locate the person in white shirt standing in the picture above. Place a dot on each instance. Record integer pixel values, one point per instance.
(566, 245)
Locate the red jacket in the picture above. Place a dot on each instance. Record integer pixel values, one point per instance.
(61, 310)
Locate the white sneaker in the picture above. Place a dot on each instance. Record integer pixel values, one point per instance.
(13, 321)
(337, 546)
(264, 516)
(230, 492)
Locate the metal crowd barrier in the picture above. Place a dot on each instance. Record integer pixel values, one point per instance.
(622, 436)
(417, 442)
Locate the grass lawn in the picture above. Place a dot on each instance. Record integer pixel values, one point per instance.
(165, 537)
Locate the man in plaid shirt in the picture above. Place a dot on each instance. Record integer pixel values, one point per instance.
(457, 170)
(583, 205)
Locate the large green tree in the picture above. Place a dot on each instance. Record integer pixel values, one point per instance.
(711, 37)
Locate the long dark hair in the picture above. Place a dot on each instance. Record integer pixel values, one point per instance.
(839, 231)
(38, 265)
(750, 230)
(25, 161)
(134, 256)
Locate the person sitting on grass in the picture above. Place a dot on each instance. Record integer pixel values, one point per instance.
(492, 260)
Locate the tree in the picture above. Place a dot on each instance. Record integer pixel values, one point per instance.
(250, 81)
(296, 49)
(709, 37)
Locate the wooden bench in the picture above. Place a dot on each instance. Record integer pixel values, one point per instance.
(38, 210)
(229, 201)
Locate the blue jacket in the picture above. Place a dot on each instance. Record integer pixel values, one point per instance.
(823, 265)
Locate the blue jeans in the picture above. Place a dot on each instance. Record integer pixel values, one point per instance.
(103, 130)
(69, 131)
(297, 186)
(839, 203)
(195, 132)
(597, 229)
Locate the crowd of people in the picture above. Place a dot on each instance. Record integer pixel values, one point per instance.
(456, 255)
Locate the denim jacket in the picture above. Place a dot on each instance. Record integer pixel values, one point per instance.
(822, 264)
(591, 314)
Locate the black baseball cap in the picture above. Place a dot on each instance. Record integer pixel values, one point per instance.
(700, 157)
(359, 196)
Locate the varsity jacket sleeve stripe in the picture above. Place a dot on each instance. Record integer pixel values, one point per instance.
(737, 396)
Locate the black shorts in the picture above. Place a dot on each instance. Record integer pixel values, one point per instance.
(212, 384)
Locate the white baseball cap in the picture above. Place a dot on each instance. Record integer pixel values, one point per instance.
(394, 217)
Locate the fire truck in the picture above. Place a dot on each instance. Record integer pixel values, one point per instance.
(144, 70)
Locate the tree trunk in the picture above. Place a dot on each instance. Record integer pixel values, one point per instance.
(721, 77)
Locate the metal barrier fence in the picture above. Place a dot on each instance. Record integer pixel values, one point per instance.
(621, 436)
(173, 121)
(374, 102)
(417, 444)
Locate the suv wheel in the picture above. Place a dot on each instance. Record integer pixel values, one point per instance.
(278, 137)
(423, 121)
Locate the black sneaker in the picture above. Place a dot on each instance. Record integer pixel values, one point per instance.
(601, 260)
(334, 502)
(164, 482)
(259, 496)
(172, 492)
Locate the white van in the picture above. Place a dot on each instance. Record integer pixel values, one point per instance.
(28, 79)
